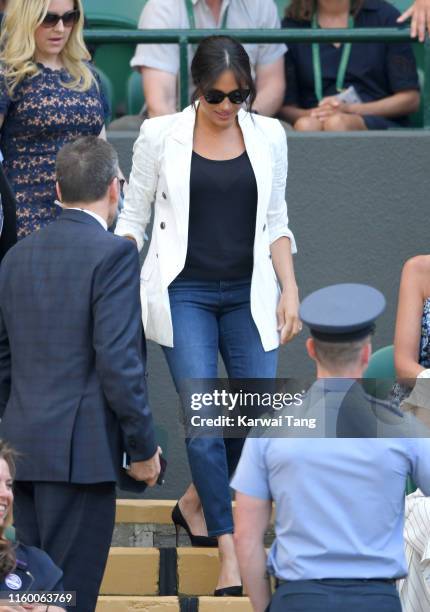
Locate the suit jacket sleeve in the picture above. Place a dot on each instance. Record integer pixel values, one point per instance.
(118, 341)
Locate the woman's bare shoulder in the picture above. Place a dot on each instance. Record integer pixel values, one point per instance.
(417, 267)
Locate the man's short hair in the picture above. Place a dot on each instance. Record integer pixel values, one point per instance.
(85, 169)
(339, 355)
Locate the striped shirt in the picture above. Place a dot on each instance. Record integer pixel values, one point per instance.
(415, 589)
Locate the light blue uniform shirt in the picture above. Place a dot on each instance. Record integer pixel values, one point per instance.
(339, 502)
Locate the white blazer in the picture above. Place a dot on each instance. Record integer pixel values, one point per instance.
(161, 174)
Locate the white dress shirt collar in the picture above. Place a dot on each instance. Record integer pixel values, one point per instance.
(93, 214)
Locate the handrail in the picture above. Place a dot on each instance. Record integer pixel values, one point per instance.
(301, 35)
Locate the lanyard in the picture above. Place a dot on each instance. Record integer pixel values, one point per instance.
(190, 11)
(316, 59)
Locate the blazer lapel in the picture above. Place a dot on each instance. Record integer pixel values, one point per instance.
(260, 156)
(177, 153)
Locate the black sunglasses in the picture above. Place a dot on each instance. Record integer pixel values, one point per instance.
(69, 19)
(237, 96)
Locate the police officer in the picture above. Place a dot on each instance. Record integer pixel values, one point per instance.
(339, 502)
(23, 569)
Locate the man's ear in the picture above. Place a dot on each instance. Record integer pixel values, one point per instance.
(310, 347)
(57, 187)
(366, 353)
(113, 190)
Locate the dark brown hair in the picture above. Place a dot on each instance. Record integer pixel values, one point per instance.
(7, 548)
(214, 55)
(303, 10)
(85, 168)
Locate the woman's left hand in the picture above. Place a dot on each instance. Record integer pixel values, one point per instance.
(287, 313)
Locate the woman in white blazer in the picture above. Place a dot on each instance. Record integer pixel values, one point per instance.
(219, 275)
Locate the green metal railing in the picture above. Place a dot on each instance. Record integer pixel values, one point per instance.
(185, 37)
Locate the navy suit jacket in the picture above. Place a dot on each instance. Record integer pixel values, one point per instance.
(72, 376)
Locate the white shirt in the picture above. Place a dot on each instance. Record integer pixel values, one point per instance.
(172, 14)
(91, 213)
(415, 589)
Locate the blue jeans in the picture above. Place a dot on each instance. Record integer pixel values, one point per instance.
(336, 596)
(212, 316)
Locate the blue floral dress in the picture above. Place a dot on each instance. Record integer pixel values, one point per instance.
(400, 392)
(43, 116)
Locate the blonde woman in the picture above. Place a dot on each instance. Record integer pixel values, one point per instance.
(49, 95)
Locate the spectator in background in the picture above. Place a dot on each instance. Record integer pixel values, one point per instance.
(159, 64)
(412, 338)
(419, 13)
(334, 87)
(22, 568)
(49, 95)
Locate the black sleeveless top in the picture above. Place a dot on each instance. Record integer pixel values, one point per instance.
(223, 208)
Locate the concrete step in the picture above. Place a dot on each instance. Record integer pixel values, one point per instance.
(140, 511)
(171, 604)
(233, 604)
(131, 571)
(144, 511)
(198, 570)
(143, 604)
(188, 572)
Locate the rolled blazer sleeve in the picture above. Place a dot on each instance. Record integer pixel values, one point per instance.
(142, 187)
(277, 212)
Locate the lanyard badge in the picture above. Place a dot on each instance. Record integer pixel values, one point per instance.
(316, 60)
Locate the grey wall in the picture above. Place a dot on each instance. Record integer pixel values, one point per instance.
(359, 207)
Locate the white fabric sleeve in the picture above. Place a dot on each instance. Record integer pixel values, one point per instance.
(142, 187)
(158, 15)
(277, 212)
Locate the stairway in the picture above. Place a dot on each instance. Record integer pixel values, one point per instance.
(146, 572)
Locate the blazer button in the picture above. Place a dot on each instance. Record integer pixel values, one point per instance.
(162, 225)
(164, 195)
(132, 442)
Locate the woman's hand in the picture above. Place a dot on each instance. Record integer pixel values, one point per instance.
(287, 314)
(419, 12)
(329, 106)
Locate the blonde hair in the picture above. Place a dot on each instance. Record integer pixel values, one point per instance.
(18, 46)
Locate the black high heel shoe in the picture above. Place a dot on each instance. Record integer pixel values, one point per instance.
(179, 521)
(233, 591)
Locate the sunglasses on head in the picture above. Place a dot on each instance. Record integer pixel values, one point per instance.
(69, 19)
(237, 96)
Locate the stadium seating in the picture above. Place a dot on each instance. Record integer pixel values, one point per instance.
(135, 97)
(114, 59)
(380, 372)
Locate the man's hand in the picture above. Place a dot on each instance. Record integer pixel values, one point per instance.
(420, 18)
(146, 471)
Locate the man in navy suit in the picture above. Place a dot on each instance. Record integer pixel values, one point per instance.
(72, 371)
